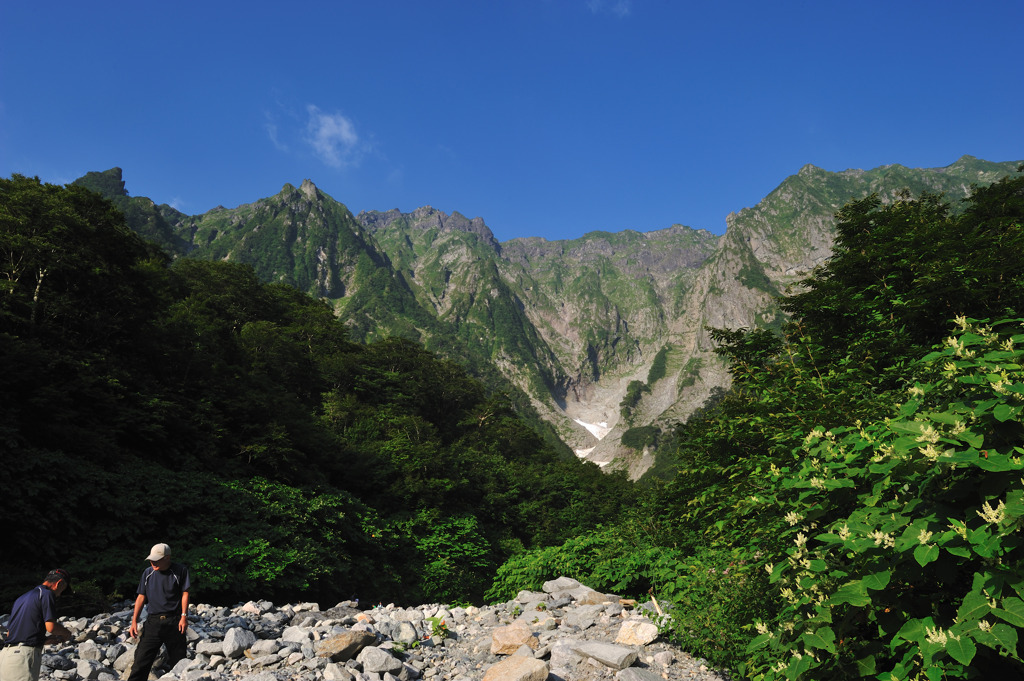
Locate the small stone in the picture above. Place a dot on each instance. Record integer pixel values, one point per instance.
(608, 654)
(506, 640)
(344, 646)
(560, 584)
(376, 660)
(296, 635)
(637, 632)
(637, 674)
(336, 672)
(664, 658)
(517, 669)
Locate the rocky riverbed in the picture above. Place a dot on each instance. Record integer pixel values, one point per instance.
(567, 632)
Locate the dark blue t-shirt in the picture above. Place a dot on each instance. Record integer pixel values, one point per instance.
(163, 588)
(29, 616)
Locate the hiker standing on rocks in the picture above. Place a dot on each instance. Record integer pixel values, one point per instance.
(164, 586)
(33, 616)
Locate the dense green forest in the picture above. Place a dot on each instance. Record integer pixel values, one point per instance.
(146, 400)
(852, 508)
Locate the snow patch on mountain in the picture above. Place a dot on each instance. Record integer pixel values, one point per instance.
(599, 430)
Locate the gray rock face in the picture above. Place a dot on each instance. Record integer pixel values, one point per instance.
(561, 639)
(608, 654)
(637, 632)
(636, 674)
(237, 641)
(378, 661)
(517, 669)
(556, 586)
(344, 646)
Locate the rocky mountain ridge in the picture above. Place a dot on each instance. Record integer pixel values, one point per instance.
(606, 334)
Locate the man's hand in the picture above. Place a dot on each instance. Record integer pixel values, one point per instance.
(133, 631)
(182, 624)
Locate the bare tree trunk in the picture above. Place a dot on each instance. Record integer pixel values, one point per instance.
(35, 297)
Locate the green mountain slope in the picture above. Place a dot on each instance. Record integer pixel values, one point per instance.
(605, 334)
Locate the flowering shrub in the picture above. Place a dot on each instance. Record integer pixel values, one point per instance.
(906, 558)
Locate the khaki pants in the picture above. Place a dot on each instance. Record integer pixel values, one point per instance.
(20, 663)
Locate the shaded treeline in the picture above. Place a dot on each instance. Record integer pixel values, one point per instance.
(188, 402)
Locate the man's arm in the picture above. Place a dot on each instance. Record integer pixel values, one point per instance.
(183, 620)
(140, 601)
(57, 632)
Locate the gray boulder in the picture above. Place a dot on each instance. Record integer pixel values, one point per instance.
(343, 647)
(608, 654)
(378, 661)
(237, 641)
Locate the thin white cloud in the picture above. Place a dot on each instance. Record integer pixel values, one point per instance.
(271, 127)
(620, 8)
(333, 138)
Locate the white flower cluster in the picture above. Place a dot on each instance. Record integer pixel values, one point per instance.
(928, 434)
(992, 515)
(886, 541)
(938, 636)
(959, 349)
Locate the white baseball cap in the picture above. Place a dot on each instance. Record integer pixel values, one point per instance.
(159, 551)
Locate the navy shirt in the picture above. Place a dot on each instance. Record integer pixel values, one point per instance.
(163, 588)
(29, 616)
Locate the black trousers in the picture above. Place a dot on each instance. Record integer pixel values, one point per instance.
(158, 630)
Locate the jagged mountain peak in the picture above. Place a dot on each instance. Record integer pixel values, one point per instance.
(108, 183)
(426, 218)
(307, 189)
(810, 169)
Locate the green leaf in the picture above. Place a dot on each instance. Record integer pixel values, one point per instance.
(974, 607)
(798, 666)
(962, 649)
(973, 439)
(759, 642)
(1012, 611)
(1006, 636)
(854, 593)
(822, 639)
(996, 463)
(913, 630)
(1004, 412)
(899, 673)
(967, 456)
(926, 553)
(878, 581)
(777, 571)
(1015, 504)
(866, 665)
(961, 551)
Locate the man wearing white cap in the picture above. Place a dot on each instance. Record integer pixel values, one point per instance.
(164, 586)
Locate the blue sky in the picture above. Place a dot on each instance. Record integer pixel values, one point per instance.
(544, 117)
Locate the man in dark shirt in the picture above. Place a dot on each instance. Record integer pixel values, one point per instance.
(33, 616)
(164, 586)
